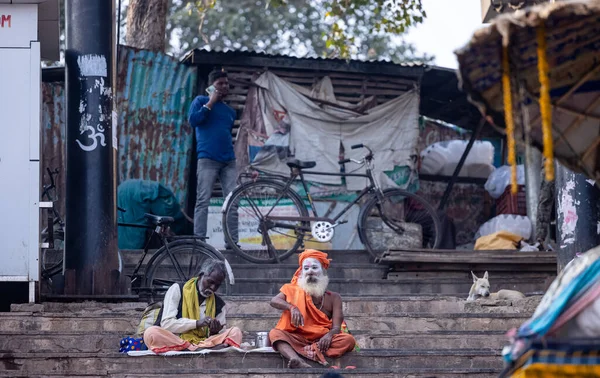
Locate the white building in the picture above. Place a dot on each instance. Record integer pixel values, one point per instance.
(29, 32)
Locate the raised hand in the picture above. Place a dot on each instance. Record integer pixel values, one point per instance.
(297, 318)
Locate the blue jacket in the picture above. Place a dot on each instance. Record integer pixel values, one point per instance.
(213, 129)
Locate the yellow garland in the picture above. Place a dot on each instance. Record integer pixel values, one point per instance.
(545, 105)
(509, 120)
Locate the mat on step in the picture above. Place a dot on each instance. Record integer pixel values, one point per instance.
(138, 353)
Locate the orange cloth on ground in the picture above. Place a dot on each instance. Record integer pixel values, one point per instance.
(314, 254)
(316, 323)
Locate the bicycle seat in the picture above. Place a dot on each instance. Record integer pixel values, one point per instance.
(159, 220)
(295, 163)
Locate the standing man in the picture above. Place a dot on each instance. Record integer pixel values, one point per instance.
(312, 317)
(212, 120)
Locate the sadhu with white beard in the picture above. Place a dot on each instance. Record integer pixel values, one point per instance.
(312, 317)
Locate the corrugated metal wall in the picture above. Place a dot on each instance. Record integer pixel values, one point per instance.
(154, 92)
(155, 140)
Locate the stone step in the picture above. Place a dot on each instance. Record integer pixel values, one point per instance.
(336, 256)
(352, 305)
(279, 373)
(370, 271)
(127, 322)
(101, 363)
(286, 271)
(399, 322)
(317, 373)
(69, 341)
(257, 304)
(238, 304)
(347, 271)
(376, 287)
(396, 304)
(132, 256)
(357, 305)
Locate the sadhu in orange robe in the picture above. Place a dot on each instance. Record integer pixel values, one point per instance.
(316, 325)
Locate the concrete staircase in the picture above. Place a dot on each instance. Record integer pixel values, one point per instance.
(404, 328)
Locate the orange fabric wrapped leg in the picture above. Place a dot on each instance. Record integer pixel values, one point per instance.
(160, 340)
(340, 344)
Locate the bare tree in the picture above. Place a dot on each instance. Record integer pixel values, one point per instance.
(147, 23)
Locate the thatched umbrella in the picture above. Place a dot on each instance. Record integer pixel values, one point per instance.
(543, 64)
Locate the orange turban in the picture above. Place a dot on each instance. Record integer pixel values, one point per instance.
(314, 254)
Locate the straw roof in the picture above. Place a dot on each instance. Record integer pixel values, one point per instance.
(573, 51)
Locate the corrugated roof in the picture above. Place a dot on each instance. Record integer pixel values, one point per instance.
(258, 53)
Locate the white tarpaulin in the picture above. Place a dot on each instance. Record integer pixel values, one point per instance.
(317, 130)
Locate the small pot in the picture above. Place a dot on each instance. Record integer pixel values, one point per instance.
(262, 340)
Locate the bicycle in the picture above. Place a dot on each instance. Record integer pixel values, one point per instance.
(281, 222)
(177, 260)
(53, 234)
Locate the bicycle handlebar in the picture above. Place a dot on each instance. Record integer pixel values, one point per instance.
(51, 174)
(368, 157)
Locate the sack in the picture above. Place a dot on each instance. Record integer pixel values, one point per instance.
(501, 240)
(149, 317)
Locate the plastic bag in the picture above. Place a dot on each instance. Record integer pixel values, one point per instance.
(516, 224)
(500, 179)
(441, 158)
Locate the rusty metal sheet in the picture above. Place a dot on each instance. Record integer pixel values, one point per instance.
(53, 133)
(154, 92)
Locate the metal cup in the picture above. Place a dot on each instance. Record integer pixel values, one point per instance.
(262, 340)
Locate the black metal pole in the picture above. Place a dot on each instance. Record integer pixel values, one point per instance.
(577, 215)
(461, 162)
(91, 256)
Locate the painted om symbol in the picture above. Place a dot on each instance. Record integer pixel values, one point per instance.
(94, 136)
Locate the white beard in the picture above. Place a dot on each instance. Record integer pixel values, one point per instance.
(315, 289)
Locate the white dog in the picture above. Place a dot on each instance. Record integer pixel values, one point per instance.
(481, 288)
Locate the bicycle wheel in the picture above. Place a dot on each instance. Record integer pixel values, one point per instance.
(182, 263)
(400, 220)
(245, 214)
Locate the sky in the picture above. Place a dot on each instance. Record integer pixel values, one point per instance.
(449, 25)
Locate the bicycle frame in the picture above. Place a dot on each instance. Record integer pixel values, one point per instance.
(299, 173)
